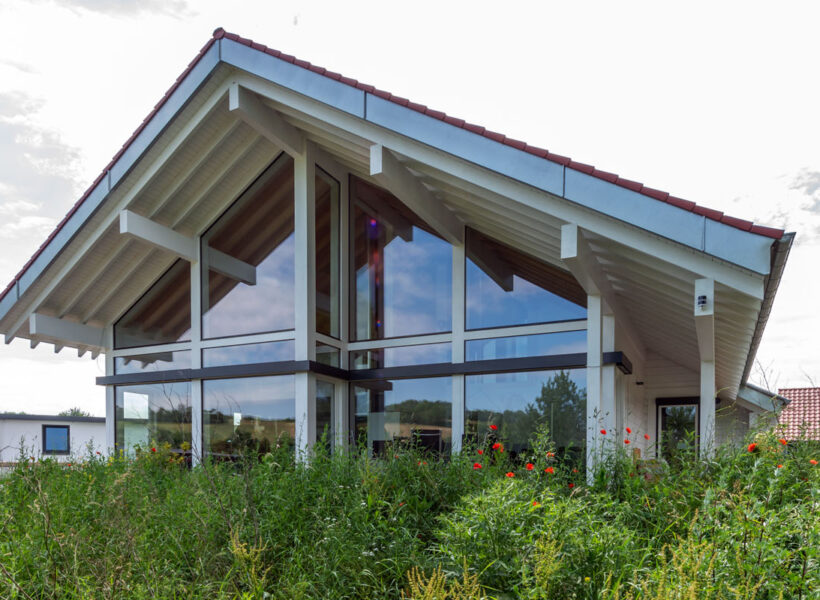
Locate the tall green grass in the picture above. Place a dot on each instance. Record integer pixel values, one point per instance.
(737, 526)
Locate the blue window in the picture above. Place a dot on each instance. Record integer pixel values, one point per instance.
(55, 439)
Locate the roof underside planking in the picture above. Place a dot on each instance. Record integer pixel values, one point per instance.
(207, 156)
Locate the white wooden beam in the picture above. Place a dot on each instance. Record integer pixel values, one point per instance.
(265, 120)
(489, 262)
(386, 169)
(577, 255)
(165, 238)
(65, 333)
(162, 237)
(704, 307)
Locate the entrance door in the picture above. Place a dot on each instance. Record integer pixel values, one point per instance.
(678, 428)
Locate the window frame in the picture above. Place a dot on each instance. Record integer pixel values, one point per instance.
(67, 451)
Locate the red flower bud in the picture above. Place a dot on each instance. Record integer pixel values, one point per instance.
(536, 503)
(153, 449)
(628, 430)
(510, 474)
(571, 485)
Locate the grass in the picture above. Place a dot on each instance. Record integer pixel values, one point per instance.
(737, 526)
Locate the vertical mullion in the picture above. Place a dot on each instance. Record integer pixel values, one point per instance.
(110, 399)
(197, 428)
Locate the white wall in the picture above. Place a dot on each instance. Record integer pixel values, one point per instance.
(31, 432)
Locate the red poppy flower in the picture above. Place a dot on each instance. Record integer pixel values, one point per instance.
(626, 441)
(476, 466)
(530, 466)
(536, 503)
(628, 430)
(575, 470)
(779, 466)
(812, 461)
(646, 436)
(498, 446)
(603, 431)
(751, 447)
(549, 470)
(783, 441)
(422, 462)
(153, 449)
(510, 474)
(494, 427)
(481, 451)
(550, 454)
(68, 464)
(571, 485)
(401, 503)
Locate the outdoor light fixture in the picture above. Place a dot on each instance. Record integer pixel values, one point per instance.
(702, 302)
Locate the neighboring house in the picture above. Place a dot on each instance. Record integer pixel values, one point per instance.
(55, 436)
(800, 420)
(280, 251)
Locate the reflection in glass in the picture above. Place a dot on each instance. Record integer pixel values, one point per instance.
(518, 403)
(247, 260)
(157, 413)
(327, 254)
(253, 414)
(327, 355)
(324, 413)
(248, 354)
(55, 439)
(546, 344)
(404, 411)
(156, 361)
(506, 287)
(401, 272)
(678, 432)
(401, 356)
(162, 315)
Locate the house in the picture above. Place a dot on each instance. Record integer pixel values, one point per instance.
(49, 436)
(280, 254)
(800, 420)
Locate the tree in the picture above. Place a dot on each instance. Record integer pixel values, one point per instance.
(74, 412)
(562, 404)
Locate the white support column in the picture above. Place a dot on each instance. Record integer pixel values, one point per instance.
(609, 407)
(305, 296)
(704, 308)
(110, 400)
(594, 349)
(197, 428)
(458, 316)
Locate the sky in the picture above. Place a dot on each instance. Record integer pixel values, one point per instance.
(713, 102)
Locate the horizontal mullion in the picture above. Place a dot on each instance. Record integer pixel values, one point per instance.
(415, 340)
(497, 332)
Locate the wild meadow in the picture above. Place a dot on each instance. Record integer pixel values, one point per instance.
(409, 525)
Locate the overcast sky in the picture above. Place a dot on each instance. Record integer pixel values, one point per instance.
(716, 102)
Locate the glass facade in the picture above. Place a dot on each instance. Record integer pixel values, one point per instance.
(155, 413)
(155, 361)
(401, 356)
(248, 260)
(248, 354)
(324, 413)
(519, 403)
(162, 315)
(402, 273)
(388, 414)
(522, 346)
(327, 254)
(252, 414)
(506, 287)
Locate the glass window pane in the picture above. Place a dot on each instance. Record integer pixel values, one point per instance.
(402, 273)
(257, 231)
(324, 413)
(506, 287)
(401, 356)
(402, 411)
(518, 403)
(248, 354)
(55, 439)
(248, 414)
(327, 254)
(546, 344)
(157, 413)
(156, 361)
(327, 355)
(679, 426)
(162, 315)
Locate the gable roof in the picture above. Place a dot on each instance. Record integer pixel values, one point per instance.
(800, 419)
(547, 156)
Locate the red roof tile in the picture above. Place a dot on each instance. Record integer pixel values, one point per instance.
(800, 419)
(220, 33)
